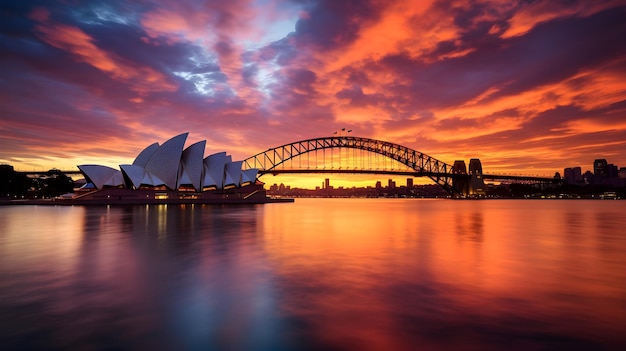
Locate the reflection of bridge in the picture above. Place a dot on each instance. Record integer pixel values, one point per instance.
(354, 155)
(349, 155)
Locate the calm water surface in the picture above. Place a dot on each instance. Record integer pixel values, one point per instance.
(329, 274)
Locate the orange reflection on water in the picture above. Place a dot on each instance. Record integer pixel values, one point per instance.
(364, 273)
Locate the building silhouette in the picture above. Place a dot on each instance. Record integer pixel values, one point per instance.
(573, 176)
(600, 168)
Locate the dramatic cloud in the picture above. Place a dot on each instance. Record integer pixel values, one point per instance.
(528, 87)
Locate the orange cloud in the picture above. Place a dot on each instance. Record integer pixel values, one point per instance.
(538, 12)
(83, 49)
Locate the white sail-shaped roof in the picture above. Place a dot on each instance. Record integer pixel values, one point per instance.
(151, 179)
(134, 173)
(191, 166)
(171, 166)
(248, 176)
(145, 155)
(102, 176)
(208, 181)
(183, 178)
(214, 170)
(165, 161)
(116, 179)
(232, 176)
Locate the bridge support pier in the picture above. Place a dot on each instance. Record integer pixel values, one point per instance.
(468, 184)
(461, 185)
(460, 181)
(476, 181)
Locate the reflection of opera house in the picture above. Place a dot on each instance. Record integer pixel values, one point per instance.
(168, 174)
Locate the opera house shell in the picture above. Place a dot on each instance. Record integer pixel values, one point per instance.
(168, 173)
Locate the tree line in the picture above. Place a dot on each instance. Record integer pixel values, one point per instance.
(18, 185)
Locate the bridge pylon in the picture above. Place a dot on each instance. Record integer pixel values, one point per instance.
(461, 180)
(476, 181)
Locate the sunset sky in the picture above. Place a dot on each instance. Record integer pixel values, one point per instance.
(529, 87)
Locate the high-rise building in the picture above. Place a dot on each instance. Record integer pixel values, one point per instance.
(409, 183)
(588, 177)
(391, 184)
(573, 175)
(326, 183)
(568, 175)
(600, 168)
(577, 173)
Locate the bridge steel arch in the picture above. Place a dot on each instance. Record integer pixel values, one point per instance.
(423, 165)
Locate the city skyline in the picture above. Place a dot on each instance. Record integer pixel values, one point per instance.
(601, 168)
(528, 88)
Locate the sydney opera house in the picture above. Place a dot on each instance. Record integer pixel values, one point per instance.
(167, 173)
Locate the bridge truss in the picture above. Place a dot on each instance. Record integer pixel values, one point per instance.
(274, 160)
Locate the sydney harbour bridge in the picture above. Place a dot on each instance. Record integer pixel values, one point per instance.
(357, 155)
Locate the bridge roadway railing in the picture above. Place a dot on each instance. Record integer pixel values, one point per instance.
(421, 164)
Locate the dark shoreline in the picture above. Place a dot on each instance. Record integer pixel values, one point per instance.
(71, 202)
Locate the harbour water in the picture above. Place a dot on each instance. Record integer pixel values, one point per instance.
(327, 274)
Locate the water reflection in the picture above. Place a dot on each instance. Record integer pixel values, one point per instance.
(338, 274)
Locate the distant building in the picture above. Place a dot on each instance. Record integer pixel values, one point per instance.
(391, 184)
(611, 171)
(600, 168)
(578, 175)
(573, 176)
(409, 183)
(568, 175)
(588, 177)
